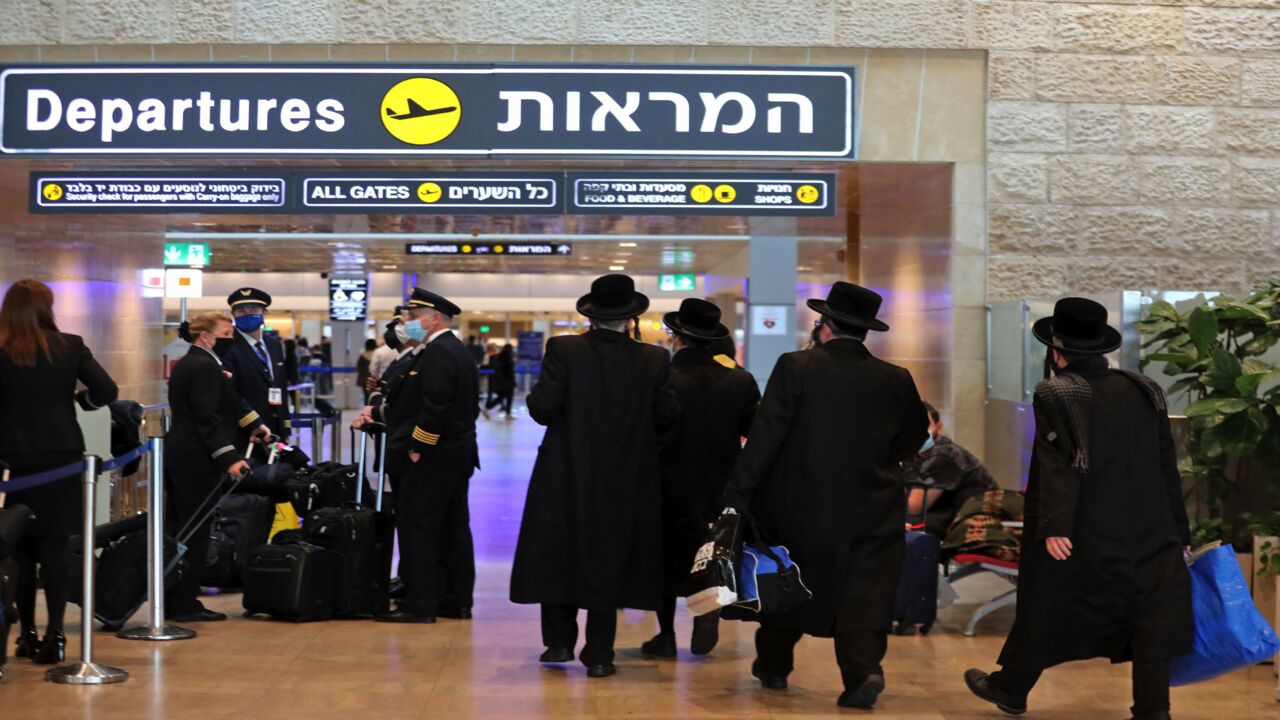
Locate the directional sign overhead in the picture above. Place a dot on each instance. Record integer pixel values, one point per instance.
(520, 249)
(186, 254)
(439, 193)
(161, 192)
(348, 298)
(708, 193)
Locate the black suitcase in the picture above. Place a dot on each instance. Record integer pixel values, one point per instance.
(326, 485)
(295, 581)
(917, 601)
(245, 520)
(120, 572)
(221, 562)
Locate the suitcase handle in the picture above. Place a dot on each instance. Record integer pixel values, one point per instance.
(364, 447)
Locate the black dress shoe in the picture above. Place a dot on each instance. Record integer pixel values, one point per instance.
(556, 655)
(767, 681)
(201, 615)
(706, 634)
(406, 617)
(28, 644)
(980, 685)
(53, 650)
(865, 695)
(397, 590)
(662, 646)
(602, 671)
(1162, 715)
(454, 613)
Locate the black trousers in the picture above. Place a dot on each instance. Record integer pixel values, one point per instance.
(859, 653)
(503, 398)
(1150, 684)
(54, 560)
(560, 630)
(188, 490)
(437, 553)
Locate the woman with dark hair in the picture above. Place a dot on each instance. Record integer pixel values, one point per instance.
(503, 381)
(39, 371)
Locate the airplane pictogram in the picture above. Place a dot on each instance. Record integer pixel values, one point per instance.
(417, 111)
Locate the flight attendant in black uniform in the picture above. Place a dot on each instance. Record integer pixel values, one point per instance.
(39, 371)
(201, 446)
(257, 367)
(431, 451)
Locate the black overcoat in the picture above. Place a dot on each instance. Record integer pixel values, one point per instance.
(591, 536)
(253, 382)
(205, 406)
(717, 407)
(819, 474)
(1126, 583)
(432, 410)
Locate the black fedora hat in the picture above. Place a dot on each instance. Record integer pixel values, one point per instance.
(698, 319)
(613, 297)
(852, 306)
(1078, 325)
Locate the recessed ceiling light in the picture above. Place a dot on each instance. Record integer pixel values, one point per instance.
(628, 244)
(617, 268)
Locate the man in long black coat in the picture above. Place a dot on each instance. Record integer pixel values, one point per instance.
(1102, 571)
(591, 537)
(819, 475)
(717, 406)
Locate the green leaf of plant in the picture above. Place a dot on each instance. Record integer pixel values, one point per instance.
(1259, 344)
(1247, 385)
(1170, 357)
(1203, 327)
(1218, 406)
(1163, 309)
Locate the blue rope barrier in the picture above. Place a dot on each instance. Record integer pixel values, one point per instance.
(329, 419)
(42, 478)
(125, 459)
(324, 369)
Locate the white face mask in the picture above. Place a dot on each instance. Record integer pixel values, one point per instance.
(401, 334)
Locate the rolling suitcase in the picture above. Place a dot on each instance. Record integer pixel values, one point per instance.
(917, 600)
(244, 521)
(364, 538)
(294, 581)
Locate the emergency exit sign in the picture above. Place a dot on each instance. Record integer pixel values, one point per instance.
(186, 254)
(677, 283)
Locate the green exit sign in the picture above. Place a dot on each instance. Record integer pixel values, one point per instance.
(677, 283)
(186, 254)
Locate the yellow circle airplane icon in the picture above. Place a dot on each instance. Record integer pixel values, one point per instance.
(429, 192)
(421, 111)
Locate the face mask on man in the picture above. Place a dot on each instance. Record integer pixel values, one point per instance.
(928, 444)
(249, 323)
(415, 331)
(222, 345)
(401, 334)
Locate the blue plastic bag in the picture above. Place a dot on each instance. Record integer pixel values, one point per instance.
(1230, 633)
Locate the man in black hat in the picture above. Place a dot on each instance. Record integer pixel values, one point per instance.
(717, 406)
(257, 368)
(1102, 571)
(819, 476)
(431, 451)
(591, 536)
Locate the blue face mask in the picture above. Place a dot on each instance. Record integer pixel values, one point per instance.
(249, 323)
(928, 445)
(415, 331)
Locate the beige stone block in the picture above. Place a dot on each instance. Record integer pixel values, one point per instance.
(969, 227)
(843, 56)
(968, 280)
(1032, 229)
(418, 52)
(1026, 126)
(662, 54)
(1256, 182)
(1204, 274)
(544, 53)
(307, 53)
(890, 104)
(969, 182)
(727, 55)
(1018, 178)
(601, 53)
(275, 22)
(1011, 76)
(762, 22)
(351, 52)
(1015, 278)
(970, 322)
(1094, 78)
(198, 22)
(127, 53)
(1092, 179)
(1114, 275)
(1250, 131)
(1214, 232)
(34, 22)
(780, 56)
(953, 109)
(183, 53)
(968, 429)
(1097, 128)
(68, 53)
(1260, 83)
(241, 53)
(1155, 130)
(1185, 180)
(1127, 231)
(19, 53)
(643, 22)
(485, 53)
(124, 21)
(902, 23)
(1113, 29)
(1003, 25)
(383, 21)
(1261, 273)
(1197, 81)
(501, 21)
(1232, 31)
(969, 381)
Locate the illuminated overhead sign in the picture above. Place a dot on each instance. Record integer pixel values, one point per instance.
(449, 193)
(677, 283)
(672, 111)
(520, 249)
(762, 193)
(163, 192)
(348, 299)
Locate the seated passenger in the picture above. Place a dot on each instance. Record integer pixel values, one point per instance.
(940, 478)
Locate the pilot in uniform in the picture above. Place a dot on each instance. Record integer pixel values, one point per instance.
(257, 368)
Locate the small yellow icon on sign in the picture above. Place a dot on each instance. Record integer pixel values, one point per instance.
(700, 193)
(53, 192)
(807, 194)
(466, 249)
(498, 249)
(429, 192)
(725, 193)
(421, 111)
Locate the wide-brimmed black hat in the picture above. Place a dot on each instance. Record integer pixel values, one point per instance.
(248, 296)
(1078, 325)
(698, 319)
(613, 297)
(420, 298)
(852, 306)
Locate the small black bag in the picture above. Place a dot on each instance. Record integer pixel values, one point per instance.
(712, 581)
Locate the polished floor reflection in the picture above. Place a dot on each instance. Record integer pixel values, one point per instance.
(250, 669)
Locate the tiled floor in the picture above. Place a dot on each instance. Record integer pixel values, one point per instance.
(252, 669)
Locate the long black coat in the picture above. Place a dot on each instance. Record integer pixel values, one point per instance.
(1126, 583)
(717, 407)
(819, 474)
(252, 382)
(592, 530)
(205, 407)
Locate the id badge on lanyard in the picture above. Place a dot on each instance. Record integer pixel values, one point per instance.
(275, 396)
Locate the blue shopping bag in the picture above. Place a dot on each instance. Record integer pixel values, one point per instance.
(768, 580)
(1230, 633)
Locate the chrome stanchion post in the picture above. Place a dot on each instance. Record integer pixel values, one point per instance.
(156, 629)
(87, 672)
(317, 436)
(335, 439)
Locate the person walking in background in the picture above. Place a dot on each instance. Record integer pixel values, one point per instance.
(820, 476)
(363, 364)
(502, 382)
(591, 536)
(1102, 570)
(39, 369)
(717, 407)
